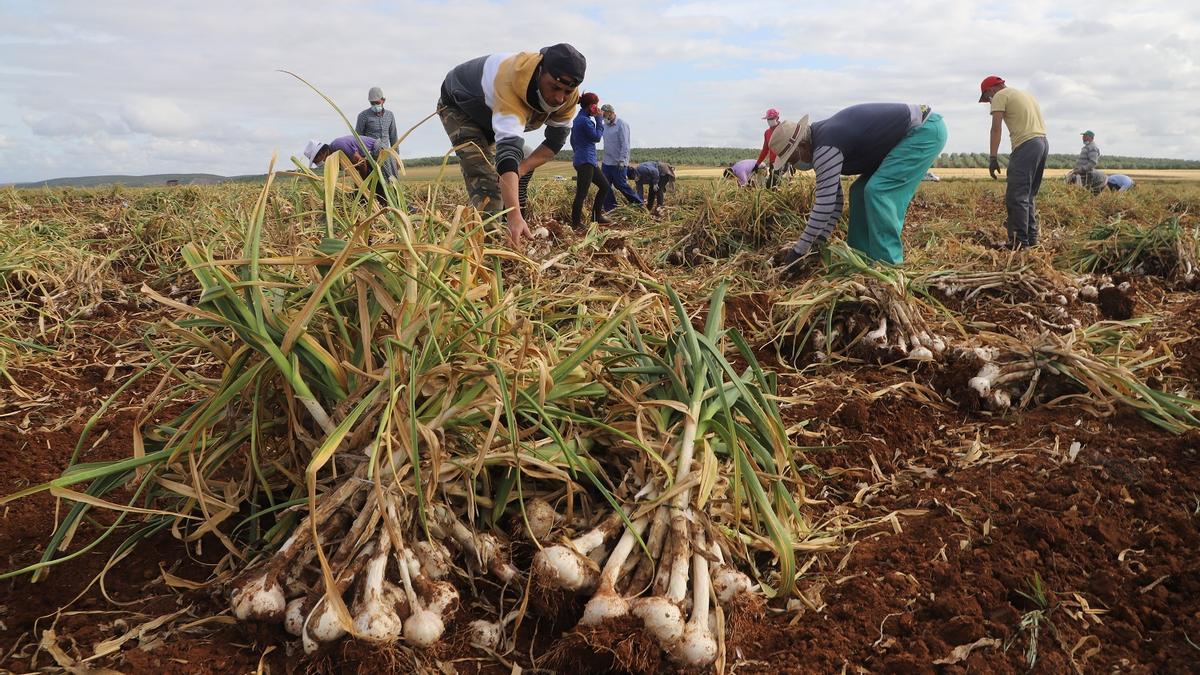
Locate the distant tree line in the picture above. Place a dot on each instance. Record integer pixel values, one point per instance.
(695, 156)
(979, 160)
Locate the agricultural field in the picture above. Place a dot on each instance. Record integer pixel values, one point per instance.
(238, 422)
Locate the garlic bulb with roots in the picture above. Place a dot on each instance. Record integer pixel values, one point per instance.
(294, 615)
(375, 617)
(1001, 399)
(434, 559)
(698, 648)
(1089, 292)
(564, 568)
(919, 353)
(322, 625)
(607, 603)
(878, 337)
(423, 628)
(541, 518)
(260, 597)
(730, 583)
(567, 567)
(484, 633)
(982, 382)
(662, 618)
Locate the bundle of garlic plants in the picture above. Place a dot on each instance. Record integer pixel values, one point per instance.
(362, 416)
(715, 492)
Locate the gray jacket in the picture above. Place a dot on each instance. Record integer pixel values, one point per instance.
(1089, 157)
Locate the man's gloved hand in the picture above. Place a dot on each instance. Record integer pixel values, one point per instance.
(993, 166)
(793, 265)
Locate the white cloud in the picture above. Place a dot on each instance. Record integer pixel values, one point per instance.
(160, 86)
(157, 117)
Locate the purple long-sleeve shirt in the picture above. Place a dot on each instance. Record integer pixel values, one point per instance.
(742, 170)
(350, 147)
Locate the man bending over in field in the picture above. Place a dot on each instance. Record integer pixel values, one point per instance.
(485, 106)
(1027, 162)
(889, 145)
(657, 177)
(742, 171)
(317, 152)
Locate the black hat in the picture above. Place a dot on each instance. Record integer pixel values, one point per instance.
(564, 63)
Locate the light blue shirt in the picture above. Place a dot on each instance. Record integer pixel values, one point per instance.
(616, 142)
(1120, 181)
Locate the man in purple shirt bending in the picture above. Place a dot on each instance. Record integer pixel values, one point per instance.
(318, 152)
(742, 171)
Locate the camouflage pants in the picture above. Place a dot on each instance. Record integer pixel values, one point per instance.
(477, 159)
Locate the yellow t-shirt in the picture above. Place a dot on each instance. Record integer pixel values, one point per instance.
(1022, 115)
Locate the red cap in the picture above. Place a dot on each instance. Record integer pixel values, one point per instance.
(988, 82)
(772, 114)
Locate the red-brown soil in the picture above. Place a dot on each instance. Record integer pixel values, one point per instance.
(963, 512)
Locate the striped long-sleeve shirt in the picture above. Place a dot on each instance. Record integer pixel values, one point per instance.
(827, 199)
(853, 141)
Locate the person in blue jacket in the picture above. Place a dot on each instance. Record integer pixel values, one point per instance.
(586, 131)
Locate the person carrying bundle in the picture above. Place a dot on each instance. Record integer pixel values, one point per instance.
(487, 103)
(889, 146)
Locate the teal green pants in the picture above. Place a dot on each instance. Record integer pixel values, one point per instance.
(879, 200)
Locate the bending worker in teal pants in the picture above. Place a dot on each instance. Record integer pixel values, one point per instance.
(889, 146)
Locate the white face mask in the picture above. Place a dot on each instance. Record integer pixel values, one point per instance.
(544, 104)
(377, 108)
(773, 123)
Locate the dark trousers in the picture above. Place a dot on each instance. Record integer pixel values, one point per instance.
(616, 178)
(587, 175)
(1026, 165)
(655, 191)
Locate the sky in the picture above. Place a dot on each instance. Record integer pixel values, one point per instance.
(137, 87)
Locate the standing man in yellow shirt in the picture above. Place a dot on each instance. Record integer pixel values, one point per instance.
(1027, 161)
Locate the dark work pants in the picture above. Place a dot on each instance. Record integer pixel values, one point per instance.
(1026, 165)
(619, 183)
(587, 175)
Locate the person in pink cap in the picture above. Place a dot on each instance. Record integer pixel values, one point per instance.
(772, 118)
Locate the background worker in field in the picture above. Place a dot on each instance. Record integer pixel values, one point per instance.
(380, 124)
(743, 171)
(889, 146)
(772, 118)
(1085, 172)
(487, 103)
(1119, 182)
(355, 150)
(656, 177)
(616, 158)
(586, 132)
(1027, 162)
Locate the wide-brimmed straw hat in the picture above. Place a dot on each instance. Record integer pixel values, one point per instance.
(785, 138)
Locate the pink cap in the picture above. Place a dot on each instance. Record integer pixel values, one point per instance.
(772, 114)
